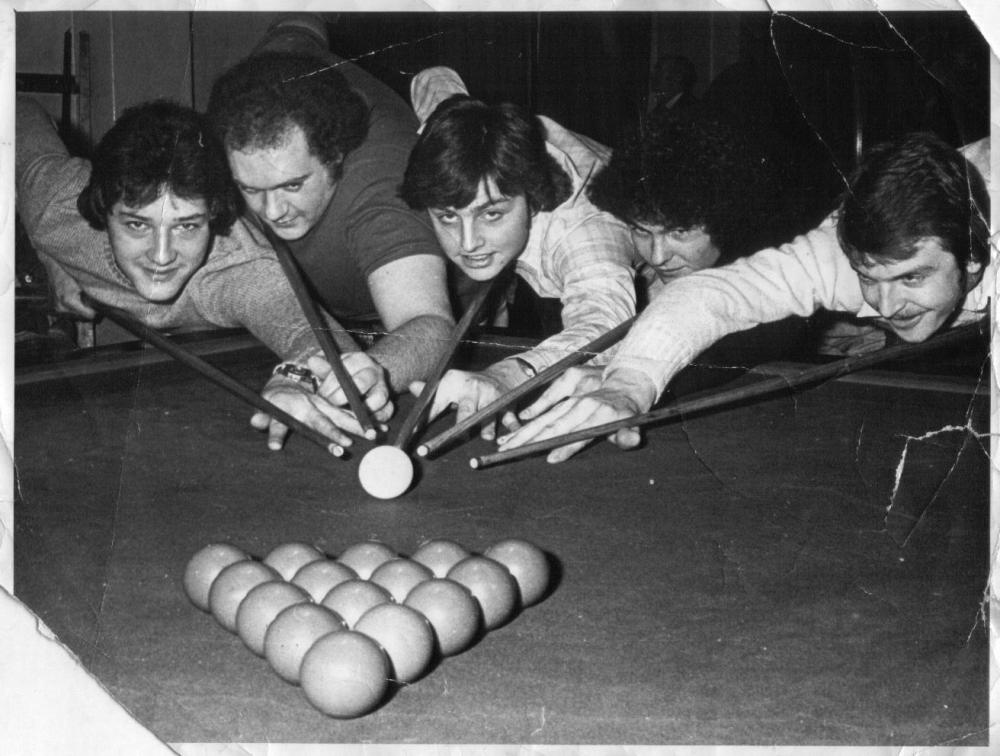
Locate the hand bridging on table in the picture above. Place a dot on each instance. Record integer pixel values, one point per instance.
(324, 410)
(368, 376)
(579, 399)
(469, 392)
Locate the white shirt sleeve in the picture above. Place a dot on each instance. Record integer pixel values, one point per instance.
(431, 87)
(692, 313)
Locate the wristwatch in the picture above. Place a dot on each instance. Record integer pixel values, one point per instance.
(298, 373)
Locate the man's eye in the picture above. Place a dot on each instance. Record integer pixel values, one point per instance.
(136, 226)
(445, 218)
(293, 187)
(190, 228)
(913, 280)
(493, 215)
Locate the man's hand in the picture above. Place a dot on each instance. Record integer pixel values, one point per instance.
(369, 378)
(576, 381)
(583, 406)
(65, 292)
(300, 402)
(470, 392)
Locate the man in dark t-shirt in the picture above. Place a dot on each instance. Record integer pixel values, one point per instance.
(318, 147)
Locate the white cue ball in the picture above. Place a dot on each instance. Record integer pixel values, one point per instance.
(386, 472)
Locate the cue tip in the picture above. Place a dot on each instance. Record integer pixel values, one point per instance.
(422, 450)
(371, 434)
(336, 450)
(474, 463)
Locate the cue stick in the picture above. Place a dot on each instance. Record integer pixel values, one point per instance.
(712, 399)
(548, 375)
(322, 333)
(418, 410)
(212, 373)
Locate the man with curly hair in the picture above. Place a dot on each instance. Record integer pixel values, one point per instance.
(505, 189)
(695, 192)
(908, 250)
(317, 148)
(151, 226)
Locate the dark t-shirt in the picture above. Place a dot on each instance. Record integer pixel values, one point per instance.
(366, 224)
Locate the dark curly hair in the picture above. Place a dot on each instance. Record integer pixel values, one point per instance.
(466, 141)
(154, 147)
(254, 103)
(690, 168)
(909, 189)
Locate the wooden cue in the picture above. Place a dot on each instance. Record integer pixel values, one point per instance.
(712, 399)
(548, 375)
(418, 410)
(212, 373)
(322, 333)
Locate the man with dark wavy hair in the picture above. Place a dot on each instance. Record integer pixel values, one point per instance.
(504, 188)
(695, 192)
(151, 226)
(317, 148)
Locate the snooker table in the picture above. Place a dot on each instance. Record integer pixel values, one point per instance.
(805, 569)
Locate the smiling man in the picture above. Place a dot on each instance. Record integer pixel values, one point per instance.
(151, 226)
(908, 250)
(317, 148)
(505, 188)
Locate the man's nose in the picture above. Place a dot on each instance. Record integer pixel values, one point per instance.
(471, 238)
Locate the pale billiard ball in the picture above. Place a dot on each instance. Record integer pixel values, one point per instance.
(440, 555)
(232, 586)
(399, 576)
(364, 557)
(452, 611)
(319, 577)
(493, 586)
(205, 566)
(352, 598)
(527, 563)
(292, 634)
(261, 605)
(345, 674)
(386, 472)
(404, 634)
(289, 558)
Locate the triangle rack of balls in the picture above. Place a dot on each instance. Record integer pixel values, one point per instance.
(349, 629)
